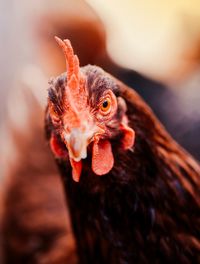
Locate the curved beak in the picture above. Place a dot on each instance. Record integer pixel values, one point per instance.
(77, 141)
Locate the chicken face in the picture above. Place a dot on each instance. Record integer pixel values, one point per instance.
(85, 110)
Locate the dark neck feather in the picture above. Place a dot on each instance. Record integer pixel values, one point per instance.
(173, 163)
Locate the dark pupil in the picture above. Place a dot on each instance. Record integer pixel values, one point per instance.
(105, 104)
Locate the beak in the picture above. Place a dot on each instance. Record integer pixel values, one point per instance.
(77, 141)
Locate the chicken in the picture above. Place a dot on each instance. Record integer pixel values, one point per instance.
(133, 192)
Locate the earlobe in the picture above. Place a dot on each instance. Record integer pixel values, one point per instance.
(128, 139)
(57, 147)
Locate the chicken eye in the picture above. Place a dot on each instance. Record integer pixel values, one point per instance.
(105, 106)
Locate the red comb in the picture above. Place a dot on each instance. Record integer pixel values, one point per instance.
(72, 61)
(76, 93)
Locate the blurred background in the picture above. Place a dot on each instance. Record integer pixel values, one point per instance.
(151, 45)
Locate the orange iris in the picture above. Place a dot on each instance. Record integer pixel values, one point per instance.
(106, 105)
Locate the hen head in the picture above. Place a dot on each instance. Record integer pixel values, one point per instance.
(86, 113)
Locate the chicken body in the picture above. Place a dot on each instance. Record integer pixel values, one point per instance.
(146, 209)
